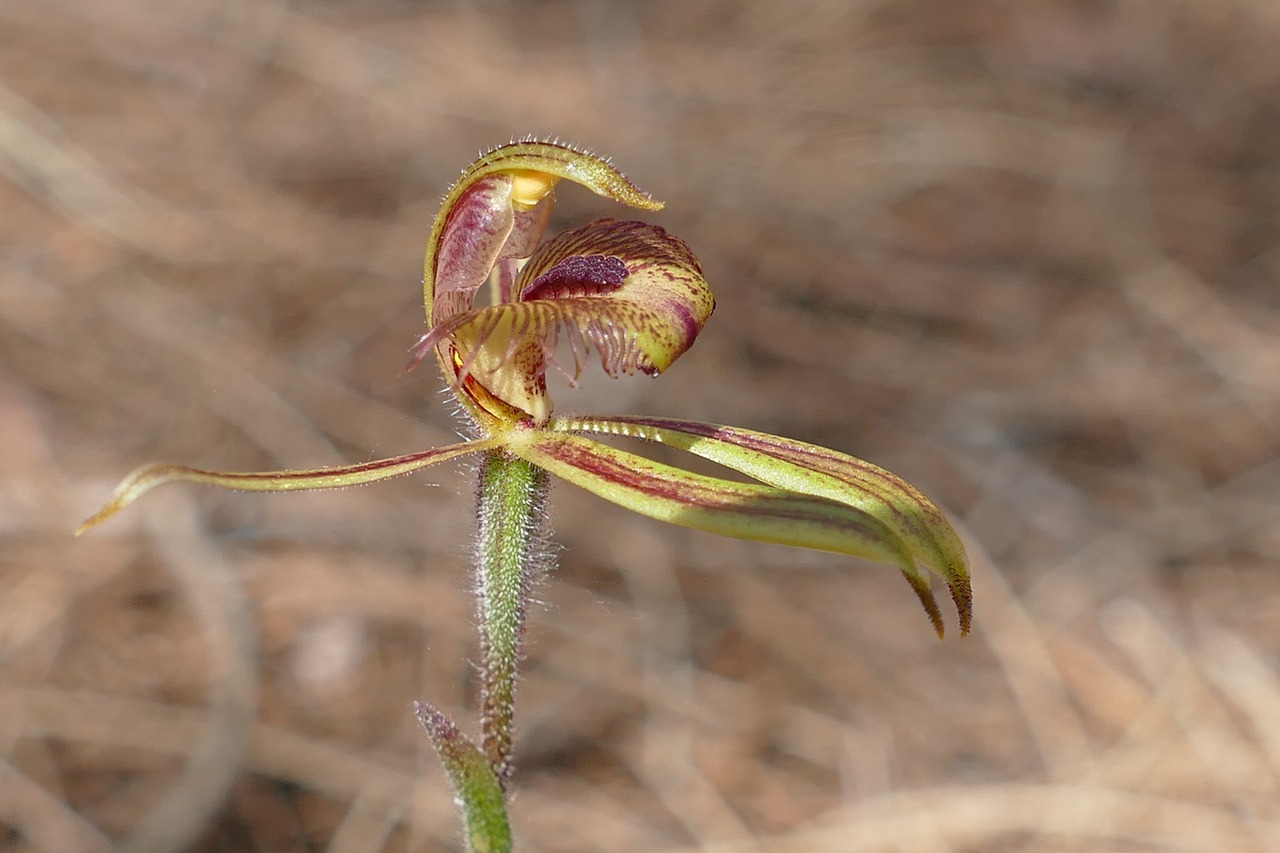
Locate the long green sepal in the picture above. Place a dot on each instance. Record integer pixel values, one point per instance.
(739, 510)
(796, 466)
(148, 477)
(480, 797)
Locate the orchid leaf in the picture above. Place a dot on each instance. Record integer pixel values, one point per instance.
(740, 510)
(146, 478)
(809, 469)
(480, 796)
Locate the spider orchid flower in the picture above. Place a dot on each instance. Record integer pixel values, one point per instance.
(636, 296)
(503, 305)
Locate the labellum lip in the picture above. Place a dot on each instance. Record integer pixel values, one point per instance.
(627, 290)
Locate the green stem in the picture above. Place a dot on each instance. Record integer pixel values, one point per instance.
(511, 553)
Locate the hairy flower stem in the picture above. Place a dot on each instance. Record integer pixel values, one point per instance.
(511, 553)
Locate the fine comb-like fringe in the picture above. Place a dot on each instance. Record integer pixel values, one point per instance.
(604, 332)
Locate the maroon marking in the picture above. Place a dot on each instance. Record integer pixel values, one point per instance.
(766, 502)
(579, 275)
(876, 482)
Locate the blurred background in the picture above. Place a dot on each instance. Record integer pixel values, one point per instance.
(1023, 253)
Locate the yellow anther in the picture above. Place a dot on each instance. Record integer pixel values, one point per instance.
(528, 187)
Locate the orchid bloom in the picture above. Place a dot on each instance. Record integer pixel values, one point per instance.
(636, 295)
(501, 301)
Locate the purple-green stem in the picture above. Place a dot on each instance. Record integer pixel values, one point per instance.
(511, 554)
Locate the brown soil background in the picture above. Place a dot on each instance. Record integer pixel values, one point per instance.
(1024, 253)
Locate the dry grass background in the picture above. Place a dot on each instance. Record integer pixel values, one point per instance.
(1024, 253)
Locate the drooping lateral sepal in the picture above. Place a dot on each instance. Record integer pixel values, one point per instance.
(809, 469)
(740, 510)
(146, 478)
(480, 797)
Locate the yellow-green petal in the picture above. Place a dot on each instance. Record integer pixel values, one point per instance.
(810, 469)
(740, 510)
